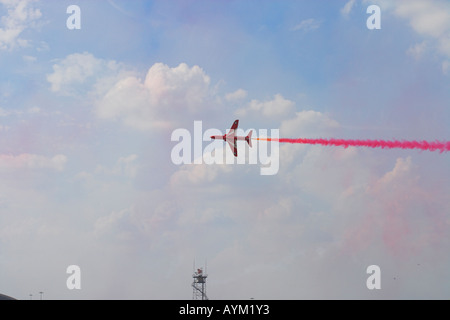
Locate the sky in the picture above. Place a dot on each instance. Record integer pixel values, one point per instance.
(87, 178)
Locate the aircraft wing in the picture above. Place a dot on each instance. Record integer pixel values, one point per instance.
(235, 125)
(230, 137)
(233, 146)
(233, 128)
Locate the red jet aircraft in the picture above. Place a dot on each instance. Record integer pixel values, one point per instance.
(232, 139)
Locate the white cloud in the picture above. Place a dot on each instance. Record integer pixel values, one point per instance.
(430, 19)
(126, 100)
(401, 170)
(418, 50)
(136, 222)
(4, 113)
(178, 86)
(307, 25)
(163, 98)
(166, 96)
(21, 15)
(446, 67)
(32, 161)
(277, 108)
(80, 70)
(308, 123)
(444, 45)
(239, 94)
(18, 113)
(197, 175)
(29, 59)
(397, 214)
(114, 222)
(345, 11)
(125, 166)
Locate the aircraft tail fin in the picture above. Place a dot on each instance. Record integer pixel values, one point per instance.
(249, 139)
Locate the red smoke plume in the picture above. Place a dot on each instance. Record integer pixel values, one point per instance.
(443, 146)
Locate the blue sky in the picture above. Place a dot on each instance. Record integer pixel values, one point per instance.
(85, 123)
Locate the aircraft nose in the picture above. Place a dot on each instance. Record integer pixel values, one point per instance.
(212, 137)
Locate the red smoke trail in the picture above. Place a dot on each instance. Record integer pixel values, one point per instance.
(384, 144)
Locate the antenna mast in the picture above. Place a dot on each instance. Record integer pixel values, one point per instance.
(199, 284)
